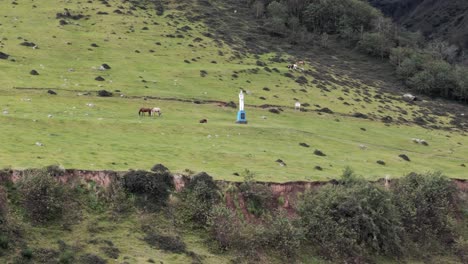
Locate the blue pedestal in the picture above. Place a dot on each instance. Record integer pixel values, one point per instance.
(241, 117)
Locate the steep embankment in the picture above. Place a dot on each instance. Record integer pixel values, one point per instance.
(434, 18)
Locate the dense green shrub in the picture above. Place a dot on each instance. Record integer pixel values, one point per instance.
(167, 243)
(120, 203)
(42, 196)
(426, 203)
(3, 206)
(375, 44)
(282, 235)
(231, 232)
(335, 16)
(152, 190)
(351, 221)
(276, 233)
(258, 197)
(92, 259)
(197, 199)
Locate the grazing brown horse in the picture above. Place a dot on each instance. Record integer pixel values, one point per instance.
(144, 110)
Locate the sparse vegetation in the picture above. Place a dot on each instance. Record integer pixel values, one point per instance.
(43, 197)
(349, 220)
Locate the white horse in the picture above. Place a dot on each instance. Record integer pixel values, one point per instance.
(297, 106)
(156, 110)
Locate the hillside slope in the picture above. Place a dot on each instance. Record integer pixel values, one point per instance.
(435, 19)
(191, 59)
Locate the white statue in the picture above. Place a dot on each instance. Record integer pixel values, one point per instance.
(241, 101)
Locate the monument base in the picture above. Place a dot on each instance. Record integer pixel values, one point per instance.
(241, 117)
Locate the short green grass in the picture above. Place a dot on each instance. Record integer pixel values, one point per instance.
(94, 231)
(111, 135)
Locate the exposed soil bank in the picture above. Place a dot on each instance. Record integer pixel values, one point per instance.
(106, 177)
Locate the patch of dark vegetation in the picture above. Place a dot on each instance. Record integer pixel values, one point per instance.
(27, 44)
(104, 93)
(274, 110)
(4, 56)
(404, 156)
(387, 119)
(289, 75)
(168, 243)
(319, 153)
(258, 197)
(231, 104)
(302, 80)
(34, 72)
(420, 121)
(203, 73)
(304, 145)
(67, 14)
(111, 251)
(152, 189)
(99, 79)
(360, 115)
(94, 45)
(318, 168)
(197, 200)
(325, 110)
(266, 89)
(45, 255)
(260, 63)
(92, 259)
(43, 197)
(381, 162)
(105, 66)
(51, 92)
(159, 168)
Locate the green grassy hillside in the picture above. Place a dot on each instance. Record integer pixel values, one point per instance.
(182, 61)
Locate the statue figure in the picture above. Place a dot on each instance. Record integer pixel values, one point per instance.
(241, 101)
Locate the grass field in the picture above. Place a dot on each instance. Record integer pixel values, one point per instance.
(150, 63)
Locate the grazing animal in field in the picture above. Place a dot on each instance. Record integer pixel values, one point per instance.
(144, 110)
(202, 121)
(409, 97)
(155, 110)
(300, 62)
(297, 106)
(292, 66)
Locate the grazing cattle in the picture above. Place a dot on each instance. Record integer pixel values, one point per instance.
(292, 66)
(297, 106)
(300, 62)
(202, 121)
(156, 110)
(409, 97)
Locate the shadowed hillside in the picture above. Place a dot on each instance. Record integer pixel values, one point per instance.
(435, 19)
